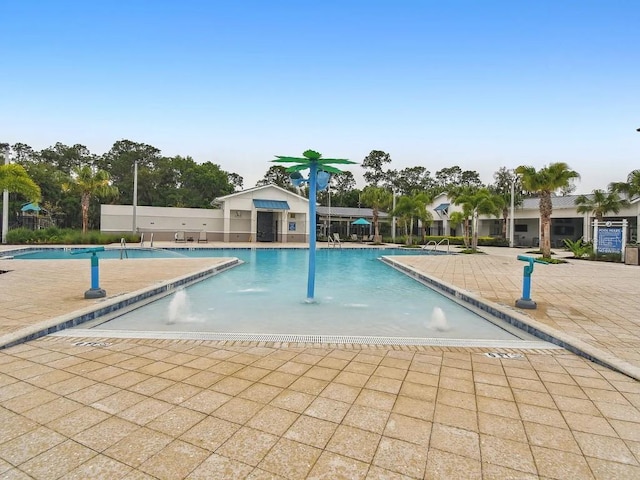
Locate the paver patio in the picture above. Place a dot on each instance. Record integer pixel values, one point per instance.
(169, 409)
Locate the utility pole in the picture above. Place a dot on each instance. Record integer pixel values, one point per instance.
(135, 196)
(5, 204)
(512, 212)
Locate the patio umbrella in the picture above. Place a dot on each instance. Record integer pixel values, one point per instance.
(30, 207)
(361, 222)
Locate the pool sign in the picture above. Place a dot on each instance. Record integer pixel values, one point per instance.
(609, 237)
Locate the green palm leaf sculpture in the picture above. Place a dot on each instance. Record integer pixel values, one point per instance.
(313, 161)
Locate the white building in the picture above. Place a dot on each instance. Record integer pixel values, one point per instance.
(264, 214)
(273, 214)
(566, 222)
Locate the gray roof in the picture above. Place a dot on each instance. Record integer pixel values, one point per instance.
(349, 212)
(567, 201)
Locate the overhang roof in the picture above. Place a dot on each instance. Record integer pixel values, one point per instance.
(271, 204)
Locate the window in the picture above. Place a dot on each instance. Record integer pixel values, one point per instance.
(520, 228)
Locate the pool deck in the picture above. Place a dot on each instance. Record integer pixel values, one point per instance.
(170, 409)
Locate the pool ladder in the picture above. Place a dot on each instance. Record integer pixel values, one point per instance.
(142, 240)
(123, 249)
(436, 245)
(332, 242)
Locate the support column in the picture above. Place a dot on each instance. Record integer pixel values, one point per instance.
(226, 223)
(585, 228)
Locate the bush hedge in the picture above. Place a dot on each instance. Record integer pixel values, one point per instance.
(482, 241)
(65, 236)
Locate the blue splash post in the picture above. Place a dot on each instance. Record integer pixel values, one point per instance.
(525, 301)
(313, 191)
(95, 291)
(319, 175)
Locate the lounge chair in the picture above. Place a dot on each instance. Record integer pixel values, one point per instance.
(354, 237)
(202, 237)
(179, 236)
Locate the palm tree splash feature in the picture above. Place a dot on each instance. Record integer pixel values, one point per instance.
(315, 163)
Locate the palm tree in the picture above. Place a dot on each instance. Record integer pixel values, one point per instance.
(314, 162)
(89, 184)
(459, 218)
(15, 179)
(481, 201)
(377, 198)
(631, 187)
(544, 182)
(409, 208)
(599, 203)
(404, 209)
(453, 193)
(506, 181)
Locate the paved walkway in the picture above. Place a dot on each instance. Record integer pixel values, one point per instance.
(593, 302)
(161, 409)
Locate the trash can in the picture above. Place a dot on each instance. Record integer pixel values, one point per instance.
(631, 255)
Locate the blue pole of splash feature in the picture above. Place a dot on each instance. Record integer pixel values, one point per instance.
(311, 279)
(525, 301)
(95, 291)
(95, 272)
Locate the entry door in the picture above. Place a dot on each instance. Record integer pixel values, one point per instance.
(266, 227)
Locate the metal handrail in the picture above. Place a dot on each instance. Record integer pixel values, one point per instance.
(123, 249)
(151, 241)
(141, 239)
(436, 244)
(332, 242)
(442, 241)
(430, 242)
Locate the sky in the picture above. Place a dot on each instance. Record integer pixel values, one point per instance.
(478, 84)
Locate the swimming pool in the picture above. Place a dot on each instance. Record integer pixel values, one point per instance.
(57, 253)
(356, 294)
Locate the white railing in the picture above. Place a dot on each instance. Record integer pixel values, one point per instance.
(429, 243)
(123, 249)
(332, 241)
(435, 244)
(441, 242)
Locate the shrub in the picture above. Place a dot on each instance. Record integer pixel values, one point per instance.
(20, 236)
(553, 261)
(57, 236)
(493, 242)
(471, 251)
(578, 247)
(606, 257)
(482, 241)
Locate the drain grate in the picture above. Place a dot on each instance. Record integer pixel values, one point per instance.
(92, 344)
(503, 355)
(295, 338)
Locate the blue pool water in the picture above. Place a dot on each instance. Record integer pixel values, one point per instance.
(66, 253)
(356, 294)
